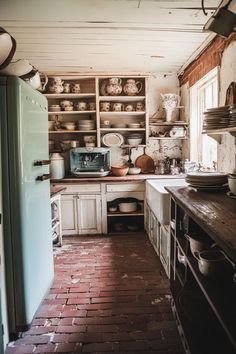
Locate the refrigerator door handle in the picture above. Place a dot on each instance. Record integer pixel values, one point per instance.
(43, 177)
(42, 162)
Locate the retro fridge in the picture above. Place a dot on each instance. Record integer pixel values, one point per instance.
(26, 200)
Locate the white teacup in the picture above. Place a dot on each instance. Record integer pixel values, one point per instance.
(139, 106)
(129, 107)
(66, 103)
(82, 106)
(75, 88)
(91, 106)
(105, 106)
(117, 107)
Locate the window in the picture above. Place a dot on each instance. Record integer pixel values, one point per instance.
(203, 95)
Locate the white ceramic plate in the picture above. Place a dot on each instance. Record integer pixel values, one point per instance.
(112, 139)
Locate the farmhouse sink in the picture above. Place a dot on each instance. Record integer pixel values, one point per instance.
(159, 199)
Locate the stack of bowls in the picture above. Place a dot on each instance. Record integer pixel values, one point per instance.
(134, 139)
(54, 108)
(86, 124)
(232, 182)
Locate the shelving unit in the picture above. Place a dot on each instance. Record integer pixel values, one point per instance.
(200, 299)
(217, 133)
(91, 92)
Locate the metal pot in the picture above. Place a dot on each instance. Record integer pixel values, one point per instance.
(212, 263)
(197, 245)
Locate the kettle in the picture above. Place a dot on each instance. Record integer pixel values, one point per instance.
(57, 166)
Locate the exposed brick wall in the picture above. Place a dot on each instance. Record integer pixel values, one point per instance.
(206, 61)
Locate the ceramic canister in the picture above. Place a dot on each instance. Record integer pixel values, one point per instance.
(57, 166)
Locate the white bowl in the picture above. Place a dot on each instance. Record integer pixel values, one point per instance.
(232, 185)
(128, 207)
(134, 141)
(68, 125)
(134, 170)
(134, 125)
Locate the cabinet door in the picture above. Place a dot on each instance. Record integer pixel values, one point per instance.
(147, 218)
(165, 248)
(69, 214)
(89, 214)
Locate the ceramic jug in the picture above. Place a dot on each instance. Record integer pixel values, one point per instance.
(132, 87)
(114, 87)
(55, 85)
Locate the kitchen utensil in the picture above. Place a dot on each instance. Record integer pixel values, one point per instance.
(197, 244)
(112, 139)
(127, 207)
(212, 263)
(145, 162)
(57, 166)
(132, 87)
(114, 87)
(134, 170)
(119, 171)
(7, 48)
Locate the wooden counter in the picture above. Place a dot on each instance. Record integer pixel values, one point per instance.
(128, 178)
(54, 190)
(215, 212)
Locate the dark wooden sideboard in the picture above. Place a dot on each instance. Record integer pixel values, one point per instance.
(205, 307)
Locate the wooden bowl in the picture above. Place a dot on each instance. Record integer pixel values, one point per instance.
(119, 171)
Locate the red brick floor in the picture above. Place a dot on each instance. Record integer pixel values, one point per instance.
(110, 295)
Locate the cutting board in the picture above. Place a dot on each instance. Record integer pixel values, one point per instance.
(145, 162)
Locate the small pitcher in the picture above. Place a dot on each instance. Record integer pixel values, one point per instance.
(114, 86)
(132, 88)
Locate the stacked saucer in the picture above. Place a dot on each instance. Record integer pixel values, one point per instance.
(207, 181)
(232, 121)
(86, 124)
(216, 118)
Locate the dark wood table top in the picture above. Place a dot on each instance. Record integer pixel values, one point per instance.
(214, 212)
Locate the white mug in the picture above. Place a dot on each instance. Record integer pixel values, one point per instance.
(82, 106)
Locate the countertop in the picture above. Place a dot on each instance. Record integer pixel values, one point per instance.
(214, 211)
(128, 178)
(54, 190)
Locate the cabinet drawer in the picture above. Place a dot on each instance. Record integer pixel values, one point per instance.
(125, 187)
(81, 188)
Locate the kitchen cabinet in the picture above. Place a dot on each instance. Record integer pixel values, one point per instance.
(88, 214)
(83, 107)
(204, 305)
(166, 130)
(124, 113)
(164, 241)
(152, 227)
(56, 219)
(121, 111)
(124, 221)
(81, 209)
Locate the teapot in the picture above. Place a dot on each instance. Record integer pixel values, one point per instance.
(34, 80)
(131, 87)
(114, 87)
(55, 85)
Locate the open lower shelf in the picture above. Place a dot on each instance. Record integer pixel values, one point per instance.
(69, 95)
(220, 294)
(122, 98)
(118, 213)
(71, 131)
(70, 112)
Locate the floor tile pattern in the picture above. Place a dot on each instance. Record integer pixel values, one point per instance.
(110, 295)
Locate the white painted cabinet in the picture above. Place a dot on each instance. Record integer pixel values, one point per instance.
(165, 247)
(81, 209)
(69, 214)
(89, 214)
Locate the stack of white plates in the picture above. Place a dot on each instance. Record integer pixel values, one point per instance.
(207, 180)
(86, 124)
(232, 121)
(216, 118)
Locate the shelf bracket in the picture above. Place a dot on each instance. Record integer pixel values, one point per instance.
(217, 137)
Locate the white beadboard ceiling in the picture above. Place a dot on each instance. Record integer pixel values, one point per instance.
(106, 35)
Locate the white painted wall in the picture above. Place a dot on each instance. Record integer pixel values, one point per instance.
(158, 150)
(227, 74)
(227, 150)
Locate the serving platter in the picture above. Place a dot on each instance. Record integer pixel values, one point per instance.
(113, 139)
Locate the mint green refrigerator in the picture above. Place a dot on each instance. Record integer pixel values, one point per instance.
(26, 200)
